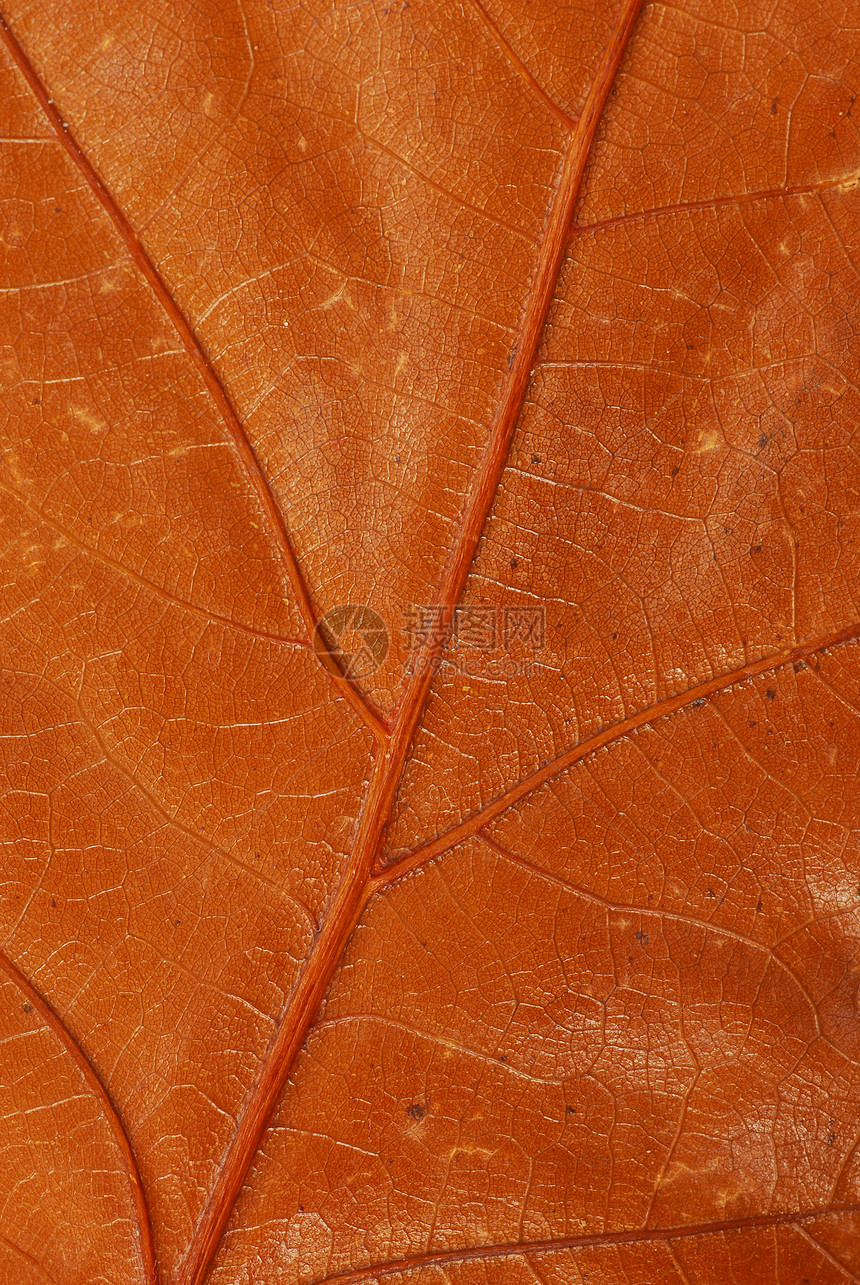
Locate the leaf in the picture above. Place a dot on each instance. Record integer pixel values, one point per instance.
(430, 689)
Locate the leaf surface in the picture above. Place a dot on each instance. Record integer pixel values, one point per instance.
(529, 956)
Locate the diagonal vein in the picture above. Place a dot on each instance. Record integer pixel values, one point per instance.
(615, 732)
(194, 348)
(100, 1093)
(150, 586)
(606, 1240)
(840, 182)
(520, 67)
(350, 896)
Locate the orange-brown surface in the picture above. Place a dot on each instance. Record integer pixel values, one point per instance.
(534, 963)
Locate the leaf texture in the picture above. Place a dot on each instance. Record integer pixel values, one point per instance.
(535, 962)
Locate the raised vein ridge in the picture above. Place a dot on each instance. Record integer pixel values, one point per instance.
(606, 736)
(108, 1110)
(598, 1241)
(350, 896)
(195, 350)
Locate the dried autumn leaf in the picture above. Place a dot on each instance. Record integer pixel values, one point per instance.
(538, 964)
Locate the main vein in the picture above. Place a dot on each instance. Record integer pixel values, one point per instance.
(349, 897)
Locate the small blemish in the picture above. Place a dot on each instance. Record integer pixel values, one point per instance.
(417, 1110)
(514, 564)
(770, 694)
(28, 1008)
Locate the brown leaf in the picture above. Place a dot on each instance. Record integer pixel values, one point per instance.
(430, 698)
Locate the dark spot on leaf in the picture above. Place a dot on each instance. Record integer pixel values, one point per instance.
(759, 907)
(697, 704)
(756, 548)
(774, 106)
(28, 1008)
(770, 694)
(513, 564)
(535, 459)
(570, 1110)
(53, 902)
(417, 1110)
(642, 938)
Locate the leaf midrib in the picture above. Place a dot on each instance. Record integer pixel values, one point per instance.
(391, 751)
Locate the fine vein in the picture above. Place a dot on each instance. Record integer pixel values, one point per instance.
(520, 67)
(195, 351)
(150, 586)
(716, 203)
(100, 1093)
